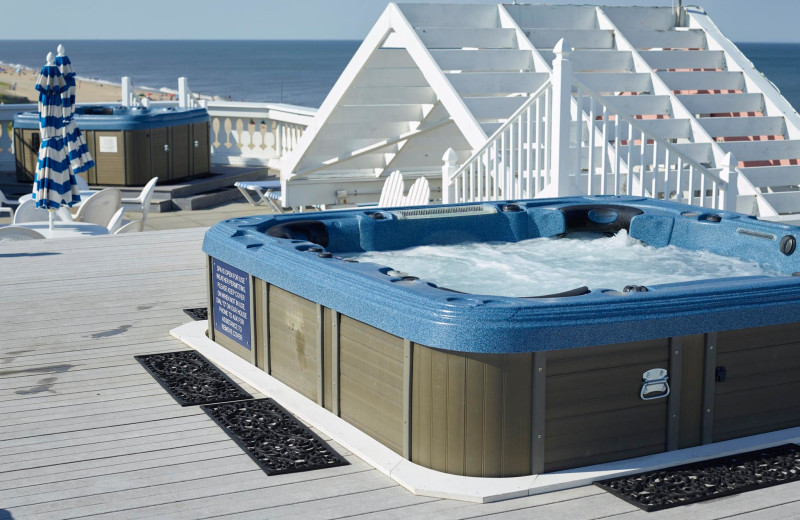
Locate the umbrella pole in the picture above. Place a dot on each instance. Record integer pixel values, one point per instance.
(51, 214)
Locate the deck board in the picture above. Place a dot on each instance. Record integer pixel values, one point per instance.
(87, 432)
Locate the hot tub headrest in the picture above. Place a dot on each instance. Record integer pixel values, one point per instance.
(599, 218)
(312, 230)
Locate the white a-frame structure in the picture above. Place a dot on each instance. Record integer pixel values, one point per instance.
(646, 101)
(405, 98)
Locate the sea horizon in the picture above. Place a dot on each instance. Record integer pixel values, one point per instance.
(298, 72)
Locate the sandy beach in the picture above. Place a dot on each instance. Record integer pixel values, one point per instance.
(19, 88)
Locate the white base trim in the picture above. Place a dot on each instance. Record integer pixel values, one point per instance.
(428, 482)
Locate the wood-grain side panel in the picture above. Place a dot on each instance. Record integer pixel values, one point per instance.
(471, 413)
(371, 381)
(760, 389)
(293, 341)
(594, 413)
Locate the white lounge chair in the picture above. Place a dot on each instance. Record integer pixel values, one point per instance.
(144, 198)
(268, 192)
(134, 226)
(6, 205)
(115, 221)
(14, 233)
(392, 193)
(100, 207)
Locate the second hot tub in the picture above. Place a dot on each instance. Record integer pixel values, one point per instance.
(130, 145)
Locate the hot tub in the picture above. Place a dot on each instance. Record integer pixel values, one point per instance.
(130, 145)
(490, 386)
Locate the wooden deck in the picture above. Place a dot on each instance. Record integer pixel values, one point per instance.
(86, 432)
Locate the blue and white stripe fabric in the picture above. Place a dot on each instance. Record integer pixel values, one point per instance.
(55, 184)
(79, 157)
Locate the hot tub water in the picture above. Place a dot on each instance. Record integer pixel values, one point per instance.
(541, 266)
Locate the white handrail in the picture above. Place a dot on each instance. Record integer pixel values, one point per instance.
(722, 192)
(514, 162)
(525, 166)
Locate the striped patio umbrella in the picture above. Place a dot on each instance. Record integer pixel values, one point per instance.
(55, 184)
(80, 160)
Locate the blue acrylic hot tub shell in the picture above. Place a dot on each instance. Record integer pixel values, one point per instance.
(421, 312)
(116, 117)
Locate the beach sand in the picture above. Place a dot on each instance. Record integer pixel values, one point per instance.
(88, 91)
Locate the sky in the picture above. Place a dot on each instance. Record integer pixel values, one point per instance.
(739, 20)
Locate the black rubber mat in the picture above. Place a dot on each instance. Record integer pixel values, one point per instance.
(709, 479)
(273, 438)
(198, 314)
(191, 379)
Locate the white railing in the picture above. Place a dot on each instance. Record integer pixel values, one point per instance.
(613, 154)
(514, 162)
(241, 133)
(567, 139)
(255, 133)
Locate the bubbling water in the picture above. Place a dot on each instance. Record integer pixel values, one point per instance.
(542, 266)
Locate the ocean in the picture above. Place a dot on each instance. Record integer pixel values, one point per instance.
(294, 72)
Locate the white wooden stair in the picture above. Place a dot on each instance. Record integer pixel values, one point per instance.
(436, 76)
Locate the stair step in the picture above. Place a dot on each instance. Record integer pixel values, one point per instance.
(600, 61)
(663, 128)
(451, 15)
(683, 59)
(206, 200)
(705, 80)
(547, 38)
(698, 152)
(763, 150)
(603, 82)
(548, 16)
(490, 127)
(691, 39)
(459, 37)
(638, 105)
(325, 149)
(389, 96)
(641, 18)
(391, 77)
(743, 126)
(493, 108)
(364, 114)
(764, 176)
(704, 104)
(496, 83)
(784, 202)
(493, 60)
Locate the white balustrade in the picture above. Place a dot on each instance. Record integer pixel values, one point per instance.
(255, 133)
(567, 139)
(241, 133)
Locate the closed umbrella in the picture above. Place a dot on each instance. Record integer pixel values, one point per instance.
(80, 159)
(55, 185)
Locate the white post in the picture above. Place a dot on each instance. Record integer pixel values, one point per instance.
(730, 175)
(126, 91)
(448, 169)
(183, 93)
(560, 126)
